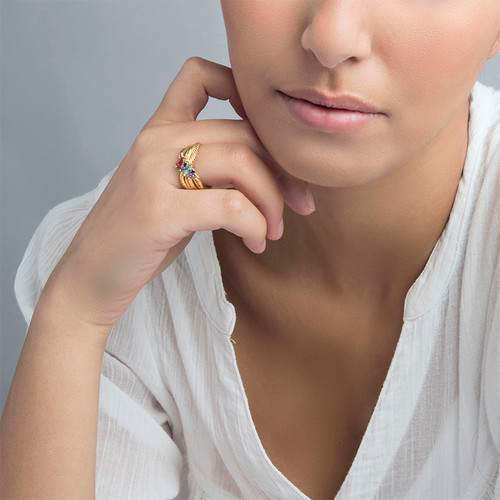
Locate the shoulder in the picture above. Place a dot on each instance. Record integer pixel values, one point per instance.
(484, 127)
(484, 145)
(482, 255)
(139, 338)
(48, 244)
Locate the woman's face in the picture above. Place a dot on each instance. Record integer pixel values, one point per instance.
(413, 61)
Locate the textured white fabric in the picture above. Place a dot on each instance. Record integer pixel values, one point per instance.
(174, 418)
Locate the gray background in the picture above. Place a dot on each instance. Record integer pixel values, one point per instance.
(78, 81)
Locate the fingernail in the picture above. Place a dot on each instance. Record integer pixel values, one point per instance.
(280, 228)
(263, 246)
(310, 200)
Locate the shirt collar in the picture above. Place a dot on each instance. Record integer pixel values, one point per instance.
(429, 287)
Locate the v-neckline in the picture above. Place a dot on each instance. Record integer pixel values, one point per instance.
(365, 449)
(378, 445)
(404, 379)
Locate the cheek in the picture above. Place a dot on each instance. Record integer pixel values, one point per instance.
(436, 59)
(426, 56)
(253, 26)
(431, 64)
(262, 35)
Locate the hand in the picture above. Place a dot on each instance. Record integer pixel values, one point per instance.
(144, 218)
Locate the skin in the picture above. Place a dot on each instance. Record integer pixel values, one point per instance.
(48, 430)
(325, 303)
(375, 189)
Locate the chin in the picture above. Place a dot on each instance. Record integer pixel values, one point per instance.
(337, 178)
(330, 169)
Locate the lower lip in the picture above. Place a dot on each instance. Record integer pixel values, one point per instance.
(329, 119)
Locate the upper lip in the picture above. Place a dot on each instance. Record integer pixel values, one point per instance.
(339, 101)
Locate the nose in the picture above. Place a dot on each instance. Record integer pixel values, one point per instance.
(337, 30)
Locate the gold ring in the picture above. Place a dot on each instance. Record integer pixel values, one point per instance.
(185, 164)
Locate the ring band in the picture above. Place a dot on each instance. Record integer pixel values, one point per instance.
(185, 164)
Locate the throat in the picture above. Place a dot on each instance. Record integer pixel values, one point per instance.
(312, 366)
(294, 306)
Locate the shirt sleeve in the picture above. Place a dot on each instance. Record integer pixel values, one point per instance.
(48, 244)
(136, 455)
(492, 369)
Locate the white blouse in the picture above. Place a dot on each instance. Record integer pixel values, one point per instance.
(174, 418)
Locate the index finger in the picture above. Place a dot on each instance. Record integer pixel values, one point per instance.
(188, 93)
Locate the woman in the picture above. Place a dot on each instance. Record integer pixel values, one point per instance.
(357, 355)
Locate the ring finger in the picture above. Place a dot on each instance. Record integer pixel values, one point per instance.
(236, 165)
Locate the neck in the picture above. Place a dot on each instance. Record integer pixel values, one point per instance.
(376, 238)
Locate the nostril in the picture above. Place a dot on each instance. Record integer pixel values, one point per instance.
(337, 32)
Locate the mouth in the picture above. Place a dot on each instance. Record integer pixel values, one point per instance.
(338, 101)
(331, 113)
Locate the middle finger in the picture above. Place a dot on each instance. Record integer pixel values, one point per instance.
(224, 165)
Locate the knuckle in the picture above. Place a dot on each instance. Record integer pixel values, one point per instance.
(233, 201)
(142, 159)
(194, 64)
(145, 140)
(240, 155)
